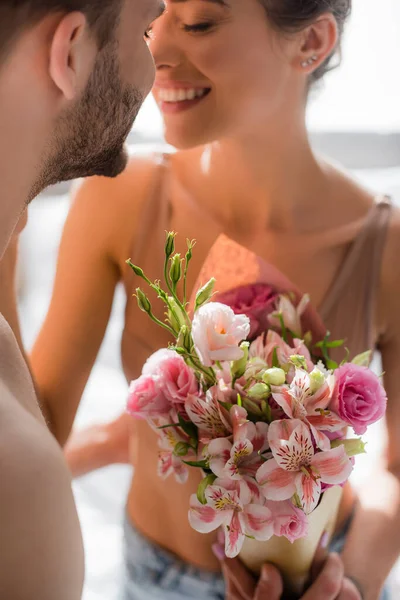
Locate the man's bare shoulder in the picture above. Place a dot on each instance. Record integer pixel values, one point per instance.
(38, 522)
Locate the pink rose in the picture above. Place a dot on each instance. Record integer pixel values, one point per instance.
(174, 377)
(257, 301)
(289, 521)
(217, 333)
(152, 364)
(359, 397)
(146, 399)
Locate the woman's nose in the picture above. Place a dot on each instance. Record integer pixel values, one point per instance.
(164, 46)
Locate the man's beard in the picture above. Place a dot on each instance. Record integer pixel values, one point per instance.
(89, 139)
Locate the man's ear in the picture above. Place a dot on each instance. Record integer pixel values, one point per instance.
(72, 54)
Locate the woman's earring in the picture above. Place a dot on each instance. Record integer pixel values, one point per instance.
(310, 61)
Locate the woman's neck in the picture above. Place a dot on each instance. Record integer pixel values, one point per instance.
(262, 183)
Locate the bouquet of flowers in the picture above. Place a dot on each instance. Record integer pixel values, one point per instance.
(258, 405)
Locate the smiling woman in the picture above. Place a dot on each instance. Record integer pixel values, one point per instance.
(215, 33)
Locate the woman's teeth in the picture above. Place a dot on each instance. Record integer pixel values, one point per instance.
(177, 95)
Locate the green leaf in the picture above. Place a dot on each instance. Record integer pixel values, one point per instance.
(346, 358)
(266, 409)
(333, 344)
(203, 485)
(331, 364)
(252, 407)
(275, 361)
(297, 502)
(201, 464)
(188, 427)
(353, 446)
(283, 327)
(238, 367)
(226, 405)
(169, 425)
(363, 360)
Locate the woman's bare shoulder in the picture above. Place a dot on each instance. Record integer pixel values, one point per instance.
(112, 208)
(391, 262)
(128, 190)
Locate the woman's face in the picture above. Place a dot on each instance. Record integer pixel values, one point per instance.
(222, 70)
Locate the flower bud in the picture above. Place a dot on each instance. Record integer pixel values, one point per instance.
(259, 391)
(137, 270)
(181, 449)
(298, 361)
(307, 339)
(317, 380)
(208, 480)
(239, 366)
(251, 407)
(176, 316)
(185, 339)
(204, 294)
(143, 301)
(274, 376)
(170, 244)
(175, 271)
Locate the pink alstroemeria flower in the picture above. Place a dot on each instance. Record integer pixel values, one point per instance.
(299, 402)
(168, 463)
(263, 348)
(296, 468)
(230, 509)
(209, 415)
(291, 315)
(242, 457)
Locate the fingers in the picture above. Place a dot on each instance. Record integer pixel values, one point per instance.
(329, 583)
(240, 584)
(349, 591)
(270, 586)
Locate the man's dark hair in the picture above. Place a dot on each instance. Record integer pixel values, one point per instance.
(17, 15)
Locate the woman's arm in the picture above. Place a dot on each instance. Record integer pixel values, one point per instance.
(98, 446)
(373, 545)
(99, 228)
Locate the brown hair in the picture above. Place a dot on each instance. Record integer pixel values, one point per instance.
(15, 15)
(293, 15)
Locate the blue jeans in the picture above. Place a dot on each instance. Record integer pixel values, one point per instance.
(152, 573)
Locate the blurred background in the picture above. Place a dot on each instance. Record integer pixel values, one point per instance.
(355, 120)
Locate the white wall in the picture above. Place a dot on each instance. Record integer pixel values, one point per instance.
(364, 94)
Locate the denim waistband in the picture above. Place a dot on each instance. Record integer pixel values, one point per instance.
(152, 567)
